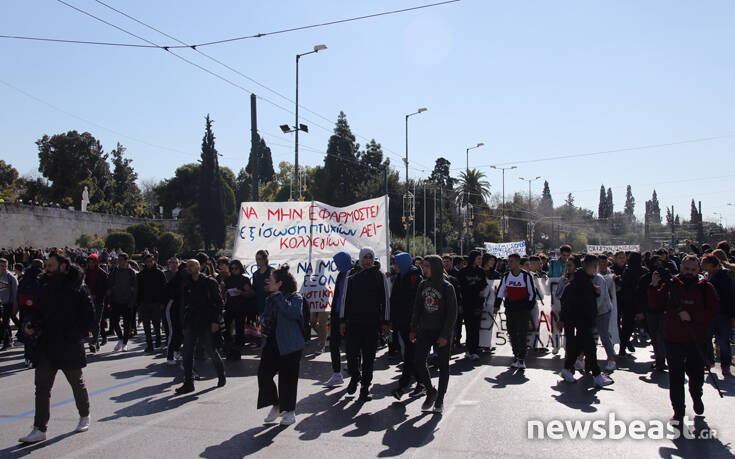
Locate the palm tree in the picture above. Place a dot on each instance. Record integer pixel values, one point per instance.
(473, 188)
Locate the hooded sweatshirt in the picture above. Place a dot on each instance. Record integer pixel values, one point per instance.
(343, 260)
(473, 281)
(403, 293)
(367, 300)
(435, 307)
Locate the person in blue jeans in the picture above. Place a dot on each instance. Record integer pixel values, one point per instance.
(282, 325)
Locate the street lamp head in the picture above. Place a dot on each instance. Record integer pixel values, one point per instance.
(303, 127)
(537, 177)
(480, 144)
(285, 128)
(493, 167)
(513, 167)
(422, 109)
(318, 48)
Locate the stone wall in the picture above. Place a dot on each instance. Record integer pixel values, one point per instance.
(22, 225)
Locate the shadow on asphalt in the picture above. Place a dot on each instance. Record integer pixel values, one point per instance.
(510, 377)
(697, 447)
(244, 444)
(21, 449)
(580, 395)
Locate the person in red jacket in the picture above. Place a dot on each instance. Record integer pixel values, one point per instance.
(689, 306)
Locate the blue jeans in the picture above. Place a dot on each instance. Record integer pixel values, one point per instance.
(720, 329)
(603, 329)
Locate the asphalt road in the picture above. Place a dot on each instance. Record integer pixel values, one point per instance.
(135, 412)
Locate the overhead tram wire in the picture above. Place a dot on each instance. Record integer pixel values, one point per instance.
(238, 72)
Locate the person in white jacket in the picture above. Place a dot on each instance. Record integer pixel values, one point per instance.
(605, 301)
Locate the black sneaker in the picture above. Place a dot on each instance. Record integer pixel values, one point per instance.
(185, 388)
(149, 349)
(352, 387)
(221, 381)
(431, 397)
(698, 405)
(418, 391)
(397, 393)
(364, 395)
(158, 342)
(631, 349)
(92, 349)
(439, 406)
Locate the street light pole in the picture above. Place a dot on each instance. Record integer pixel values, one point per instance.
(467, 217)
(298, 127)
(529, 188)
(502, 224)
(408, 197)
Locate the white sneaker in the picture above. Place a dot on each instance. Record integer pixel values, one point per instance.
(579, 365)
(83, 425)
(474, 357)
(288, 418)
(118, 346)
(602, 380)
(272, 415)
(610, 365)
(568, 375)
(34, 437)
(125, 348)
(171, 362)
(335, 380)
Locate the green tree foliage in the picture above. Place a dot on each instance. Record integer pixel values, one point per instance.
(168, 244)
(86, 241)
(261, 155)
(126, 195)
(145, 234)
(211, 193)
(602, 212)
(629, 209)
(188, 226)
(546, 204)
(67, 160)
(441, 175)
(653, 209)
(121, 240)
(609, 203)
(695, 216)
(34, 190)
(8, 181)
(341, 173)
(487, 231)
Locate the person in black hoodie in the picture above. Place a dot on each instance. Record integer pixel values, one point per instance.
(151, 295)
(402, 299)
(653, 314)
(472, 281)
(29, 287)
(202, 308)
(627, 300)
(721, 327)
(578, 318)
(432, 323)
(59, 325)
(365, 308)
(96, 280)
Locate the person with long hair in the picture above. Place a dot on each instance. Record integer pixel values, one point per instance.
(282, 324)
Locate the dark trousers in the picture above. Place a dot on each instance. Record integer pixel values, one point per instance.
(472, 326)
(45, 375)
(362, 343)
(287, 368)
(409, 358)
(150, 313)
(99, 311)
(335, 340)
(175, 334)
(721, 330)
(203, 335)
(684, 359)
(580, 339)
(458, 329)
(236, 313)
(5, 314)
(424, 341)
(118, 311)
(516, 320)
(656, 329)
(627, 322)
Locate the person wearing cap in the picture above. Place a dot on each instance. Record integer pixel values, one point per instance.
(366, 308)
(96, 280)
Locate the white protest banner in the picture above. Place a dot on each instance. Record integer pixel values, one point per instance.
(613, 248)
(503, 249)
(306, 235)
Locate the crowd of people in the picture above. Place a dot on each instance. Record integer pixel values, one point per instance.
(66, 303)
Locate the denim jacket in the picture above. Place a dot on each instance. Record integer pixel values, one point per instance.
(287, 312)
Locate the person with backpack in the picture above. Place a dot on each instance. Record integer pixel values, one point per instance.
(578, 318)
(432, 324)
(402, 299)
(96, 280)
(517, 292)
(283, 345)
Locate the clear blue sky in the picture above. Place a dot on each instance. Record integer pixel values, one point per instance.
(531, 79)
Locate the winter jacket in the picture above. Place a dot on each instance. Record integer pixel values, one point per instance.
(366, 298)
(579, 301)
(725, 288)
(122, 284)
(472, 281)
(627, 298)
(151, 286)
(403, 297)
(201, 301)
(286, 313)
(697, 297)
(62, 319)
(435, 305)
(99, 289)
